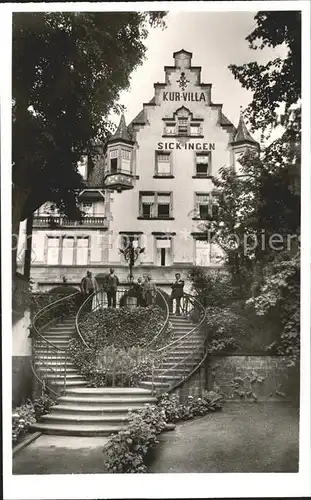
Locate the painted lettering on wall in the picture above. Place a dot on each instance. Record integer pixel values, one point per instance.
(198, 146)
(184, 96)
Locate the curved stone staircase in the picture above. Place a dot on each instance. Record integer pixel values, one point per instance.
(85, 411)
(93, 411)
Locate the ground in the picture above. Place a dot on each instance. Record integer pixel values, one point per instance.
(241, 438)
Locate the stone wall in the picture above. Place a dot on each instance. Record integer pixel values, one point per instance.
(267, 378)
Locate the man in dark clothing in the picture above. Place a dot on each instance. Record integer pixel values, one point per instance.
(177, 292)
(139, 289)
(111, 286)
(88, 286)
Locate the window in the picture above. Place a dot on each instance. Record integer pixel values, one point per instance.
(203, 164)
(163, 205)
(155, 205)
(163, 251)
(170, 129)
(125, 160)
(206, 205)
(207, 254)
(82, 250)
(67, 251)
(87, 207)
(195, 129)
(53, 250)
(163, 163)
(183, 126)
(114, 160)
(147, 202)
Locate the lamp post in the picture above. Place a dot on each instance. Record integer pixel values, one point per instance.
(131, 254)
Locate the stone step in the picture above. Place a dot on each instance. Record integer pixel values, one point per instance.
(96, 409)
(70, 377)
(54, 368)
(77, 418)
(60, 329)
(77, 429)
(57, 341)
(109, 392)
(45, 356)
(122, 400)
(60, 336)
(54, 362)
(69, 383)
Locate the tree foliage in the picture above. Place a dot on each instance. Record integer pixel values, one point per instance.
(278, 81)
(258, 217)
(68, 71)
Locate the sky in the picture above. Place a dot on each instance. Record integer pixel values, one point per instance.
(216, 40)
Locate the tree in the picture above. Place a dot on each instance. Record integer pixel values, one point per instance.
(279, 81)
(263, 205)
(68, 71)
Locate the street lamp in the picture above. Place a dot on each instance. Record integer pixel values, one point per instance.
(131, 254)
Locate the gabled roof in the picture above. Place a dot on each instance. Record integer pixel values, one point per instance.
(182, 51)
(242, 134)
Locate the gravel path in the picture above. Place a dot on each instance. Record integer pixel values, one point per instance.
(61, 455)
(241, 438)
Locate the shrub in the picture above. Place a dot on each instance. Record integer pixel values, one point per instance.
(123, 328)
(27, 414)
(213, 289)
(237, 329)
(128, 448)
(117, 338)
(175, 411)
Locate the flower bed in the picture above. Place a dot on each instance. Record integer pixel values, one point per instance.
(27, 414)
(127, 451)
(116, 355)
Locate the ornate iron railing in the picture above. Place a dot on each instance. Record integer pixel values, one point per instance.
(189, 350)
(49, 362)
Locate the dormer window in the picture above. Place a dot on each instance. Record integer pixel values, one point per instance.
(182, 126)
(195, 129)
(170, 128)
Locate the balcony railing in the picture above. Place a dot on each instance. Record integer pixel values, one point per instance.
(58, 220)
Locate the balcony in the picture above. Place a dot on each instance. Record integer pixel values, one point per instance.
(53, 222)
(119, 180)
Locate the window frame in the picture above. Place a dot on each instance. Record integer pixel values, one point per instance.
(159, 174)
(209, 165)
(154, 205)
(61, 238)
(118, 158)
(213, 195)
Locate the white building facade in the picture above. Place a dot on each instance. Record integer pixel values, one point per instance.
(164, 161)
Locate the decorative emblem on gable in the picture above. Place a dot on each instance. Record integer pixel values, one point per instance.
(182, 81)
